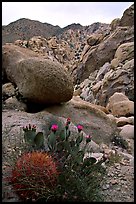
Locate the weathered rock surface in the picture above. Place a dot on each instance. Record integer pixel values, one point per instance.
(121, 121)
(39, 80)
(111, 78)
(121, 79)
(8, 90)
(124, 52)
(118, 183)
(13, 103)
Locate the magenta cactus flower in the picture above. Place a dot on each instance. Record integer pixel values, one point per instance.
(79, 127)
(54, 128)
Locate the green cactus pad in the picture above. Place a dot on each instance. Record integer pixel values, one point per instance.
(39, 139)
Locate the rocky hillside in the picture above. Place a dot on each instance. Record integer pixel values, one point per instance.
(25, 29)
(106, 64)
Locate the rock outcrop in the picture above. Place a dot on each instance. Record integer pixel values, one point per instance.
(8, 90)
(108, 67)
(97, 55)
(128, 17)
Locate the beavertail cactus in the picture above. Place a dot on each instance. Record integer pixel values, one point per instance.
(33, 138)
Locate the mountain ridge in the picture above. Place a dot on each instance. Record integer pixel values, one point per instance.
(25, 28)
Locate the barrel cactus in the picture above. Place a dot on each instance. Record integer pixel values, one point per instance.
(35, 173)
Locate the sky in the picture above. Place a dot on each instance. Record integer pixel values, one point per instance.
(64, 13)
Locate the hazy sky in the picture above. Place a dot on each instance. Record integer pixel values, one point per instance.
(64, 13)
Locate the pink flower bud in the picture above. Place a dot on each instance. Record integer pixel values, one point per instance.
(67, 123)
(88, 138)
(54, 128)
(79, 127)
(68, 120)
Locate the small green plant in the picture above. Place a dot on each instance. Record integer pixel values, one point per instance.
(114, 158)
(61, 173)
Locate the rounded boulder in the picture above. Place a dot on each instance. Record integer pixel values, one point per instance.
(39, 80)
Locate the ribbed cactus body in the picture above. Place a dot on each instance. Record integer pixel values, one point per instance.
(33, 173)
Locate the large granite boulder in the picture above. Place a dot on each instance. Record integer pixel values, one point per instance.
(39, 80)
(115, 23)
(127, 131)
(94, 39)
(120, 105)
(124, 52)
